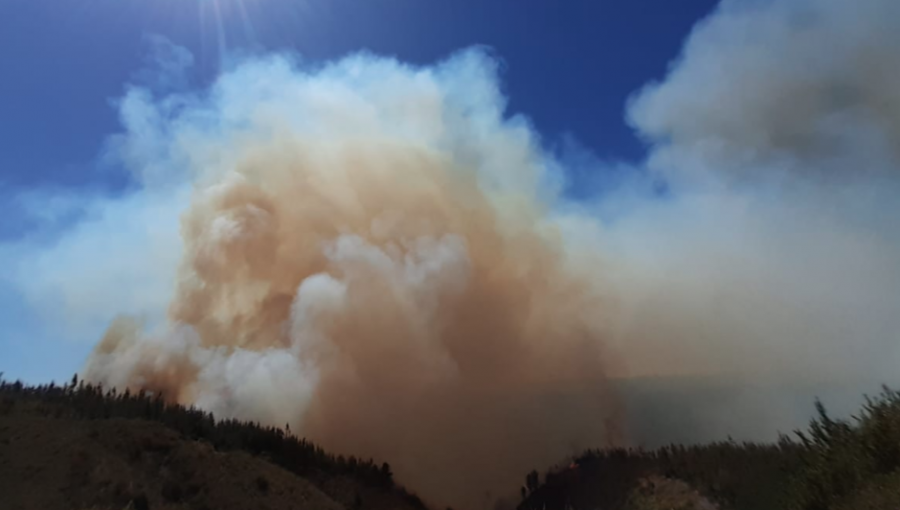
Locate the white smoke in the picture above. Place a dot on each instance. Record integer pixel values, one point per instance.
(777, 130)
(763, 89)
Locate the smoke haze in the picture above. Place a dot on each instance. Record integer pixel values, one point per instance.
(777, 130)
(381, 256)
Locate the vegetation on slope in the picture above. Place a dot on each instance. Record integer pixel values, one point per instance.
(344, 479)
(834, 465)
(727, 473)
(57, 464)
(851, 464)
(169, 456)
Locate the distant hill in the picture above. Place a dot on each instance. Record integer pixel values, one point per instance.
(724, 476)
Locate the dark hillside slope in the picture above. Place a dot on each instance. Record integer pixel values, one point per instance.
(79, 447)
(834, 464)
(733, 476)
(51, 464)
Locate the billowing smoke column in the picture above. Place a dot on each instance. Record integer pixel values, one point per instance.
(376, 254)
(368, 255)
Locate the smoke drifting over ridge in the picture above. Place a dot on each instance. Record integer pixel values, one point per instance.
(367, 255)
(376, 254)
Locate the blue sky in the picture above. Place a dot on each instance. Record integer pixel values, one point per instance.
(568, 66)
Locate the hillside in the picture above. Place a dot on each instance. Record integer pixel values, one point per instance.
(78, 447)
(52, 464)
(833, 464)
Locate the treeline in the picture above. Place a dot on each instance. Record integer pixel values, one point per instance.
(833, 465)
(82, 400)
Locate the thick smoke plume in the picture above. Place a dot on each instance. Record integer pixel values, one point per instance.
(368, 256)
(380, 256)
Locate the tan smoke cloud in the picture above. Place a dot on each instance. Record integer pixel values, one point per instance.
(387, 279)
